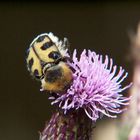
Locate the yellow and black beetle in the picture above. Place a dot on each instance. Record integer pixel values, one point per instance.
(47, 61)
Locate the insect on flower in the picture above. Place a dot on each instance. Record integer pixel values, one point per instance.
(96, 87)
(90, 82)
(46, 61)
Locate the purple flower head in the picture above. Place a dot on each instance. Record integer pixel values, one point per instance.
(96, 86)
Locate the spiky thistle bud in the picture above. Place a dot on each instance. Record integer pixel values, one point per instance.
(73, 126)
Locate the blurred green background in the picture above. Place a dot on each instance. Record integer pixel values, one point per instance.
(99, 26)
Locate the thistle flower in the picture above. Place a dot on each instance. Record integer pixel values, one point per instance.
(67, 127)
(96, 87)
(131, 119)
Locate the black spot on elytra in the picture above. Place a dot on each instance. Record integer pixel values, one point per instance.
(50, 43)
(31, 61)
(36, 74)
(41, 38)
(54, 55)
(53, 75)
(46, 45)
